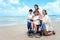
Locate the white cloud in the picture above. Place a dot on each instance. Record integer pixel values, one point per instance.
(40, 9)
(25, 8)
(0, 8)
(20, 11)
(8, 9)
(53, 7)
(13, 1)
(5, 11)
(1, 1)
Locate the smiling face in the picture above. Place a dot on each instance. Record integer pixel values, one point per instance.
(35, 7)
(30, 12)
(36, 13)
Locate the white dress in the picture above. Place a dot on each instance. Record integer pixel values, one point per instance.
(36, 21)
(47, 21)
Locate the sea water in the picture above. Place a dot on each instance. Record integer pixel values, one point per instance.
(13, 20)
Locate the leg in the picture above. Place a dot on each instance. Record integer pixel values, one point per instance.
(33, 26)
(53, 32)
(45, 32)
(37, 28)
(29, 27)
(40, 22)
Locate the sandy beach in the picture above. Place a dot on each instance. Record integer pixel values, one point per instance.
(19, 32)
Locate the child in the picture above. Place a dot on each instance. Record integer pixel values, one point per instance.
(30, 15)
(36, 21)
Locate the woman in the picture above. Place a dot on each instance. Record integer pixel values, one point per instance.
(46, 24)
(36, 7)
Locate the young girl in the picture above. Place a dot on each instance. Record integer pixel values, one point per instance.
(36, 21)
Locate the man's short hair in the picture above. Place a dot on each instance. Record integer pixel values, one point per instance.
(30, 10)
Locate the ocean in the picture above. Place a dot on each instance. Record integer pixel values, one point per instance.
(13, 20)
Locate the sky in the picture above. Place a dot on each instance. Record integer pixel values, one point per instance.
(21, 7)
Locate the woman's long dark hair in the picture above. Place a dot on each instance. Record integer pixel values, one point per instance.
(37, 6)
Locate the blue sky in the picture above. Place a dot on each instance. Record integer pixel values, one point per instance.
(21, 7)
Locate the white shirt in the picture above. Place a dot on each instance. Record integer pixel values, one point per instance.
(47, 21)
(35, 20)
(30, 16)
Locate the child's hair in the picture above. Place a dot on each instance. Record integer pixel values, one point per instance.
(30, 10)
(45, 11)
(37, 6)
(36, 11)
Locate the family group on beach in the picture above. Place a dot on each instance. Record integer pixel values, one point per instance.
(39, 24)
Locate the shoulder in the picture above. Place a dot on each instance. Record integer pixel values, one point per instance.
(47, 17)
(32, 14)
